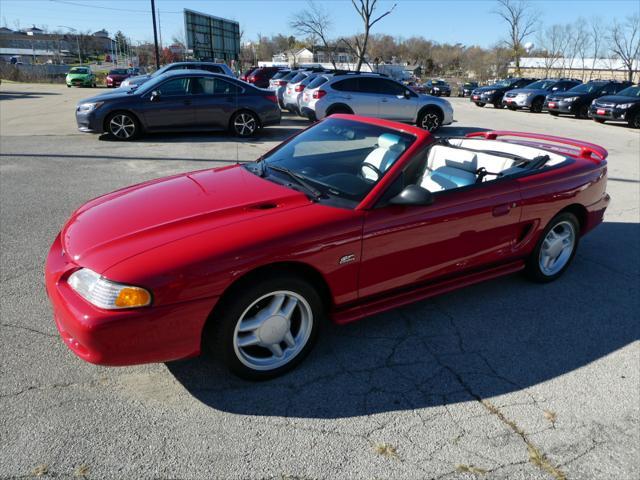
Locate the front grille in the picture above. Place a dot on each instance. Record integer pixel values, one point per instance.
(604, 104)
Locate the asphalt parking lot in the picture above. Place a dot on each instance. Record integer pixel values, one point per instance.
(506, 379)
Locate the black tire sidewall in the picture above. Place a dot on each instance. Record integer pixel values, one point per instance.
(533, 265)
(218, 336)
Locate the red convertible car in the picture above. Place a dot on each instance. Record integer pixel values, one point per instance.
(351, 217)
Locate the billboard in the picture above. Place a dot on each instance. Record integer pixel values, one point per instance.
(211, 38)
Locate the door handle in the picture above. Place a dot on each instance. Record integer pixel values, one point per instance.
(502, 209)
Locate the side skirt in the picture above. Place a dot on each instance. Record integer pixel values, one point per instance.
(405, 297)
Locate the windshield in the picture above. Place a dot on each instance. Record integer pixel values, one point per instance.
(630, 92)
(280, 74)
(118, 71)
(586, 88)
(542, 84)
(79, 70)
(470, 85)
(439, 82)
(507, 82)
(298, 77)
(342, 159)
(152, 83)
(160, 71)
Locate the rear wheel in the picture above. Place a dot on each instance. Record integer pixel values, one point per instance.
(599, 120)
(555, 114)
(634, 121)
(498, 104)
(583, 112)
(122, 126)
(537, 104)
(555, 249)
(268, 328)
(430, 119)
(244, 124)
(480, 104)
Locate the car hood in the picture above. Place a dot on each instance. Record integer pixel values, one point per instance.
(618, 99)
(109, 95)
(127, 222)
(529, 90)
(138, 79)
(490, 87)
(569, 94)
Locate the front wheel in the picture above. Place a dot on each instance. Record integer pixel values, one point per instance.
(244, 124)
(498, 105)
(480, 104)
(599, 120)
(553, 114)
(266, 328)
(634, 121)
(555, 249)
(536, 105)
(583, 112)
(122, 126)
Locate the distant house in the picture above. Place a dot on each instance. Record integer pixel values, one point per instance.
(34, 31)
(584, 69)
(5, 31)
(101, 33)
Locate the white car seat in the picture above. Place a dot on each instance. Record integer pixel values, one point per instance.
(445, 178)
(389, 149)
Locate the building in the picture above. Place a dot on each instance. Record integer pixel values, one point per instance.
(34, 31)
(582, 69)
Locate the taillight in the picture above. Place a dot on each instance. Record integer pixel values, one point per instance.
(272, 98)
(251, 79)
(299, 88)
(319, 94)
(281, 83)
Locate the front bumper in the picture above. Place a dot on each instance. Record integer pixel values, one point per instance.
(560, 106)
(90, 122)
(78, 82)
(484, 98)
(121, 337)
(608, 113)
(517, 102)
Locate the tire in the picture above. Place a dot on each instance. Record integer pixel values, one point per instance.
(480, 104)
(122, 126)
(564, 225)
(244, 123)
(599, 120)
(68, 86)
(430, 119)
(257, 350)
(498, 105)
(634, 121)
(537, 104)
(555, 114)
(583, 112)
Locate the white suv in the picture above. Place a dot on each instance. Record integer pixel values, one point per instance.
(375, 95)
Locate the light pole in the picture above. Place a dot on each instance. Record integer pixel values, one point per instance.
(77, 40)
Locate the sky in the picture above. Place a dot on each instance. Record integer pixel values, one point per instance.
(470, 22)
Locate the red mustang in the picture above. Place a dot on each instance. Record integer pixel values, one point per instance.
(351, 217)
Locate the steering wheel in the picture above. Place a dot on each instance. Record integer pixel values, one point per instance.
(371, 167)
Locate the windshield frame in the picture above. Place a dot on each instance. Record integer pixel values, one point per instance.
(340, 201)
(636, 94)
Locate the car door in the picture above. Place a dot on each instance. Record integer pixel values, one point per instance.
(394, 105)
(463, 229)
(359, 94)
(171, 108)
(214, 101)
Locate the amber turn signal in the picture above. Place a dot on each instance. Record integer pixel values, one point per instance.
(132, 297)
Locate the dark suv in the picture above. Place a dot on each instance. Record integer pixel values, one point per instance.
(260, 76)
(577, 100)
(621, 107)
(493, 93)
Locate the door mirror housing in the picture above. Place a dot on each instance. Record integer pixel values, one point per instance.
(413, 195)
(407, 94)
(155, 96)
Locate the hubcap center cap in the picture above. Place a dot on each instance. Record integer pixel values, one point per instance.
(555, 249)
(273, 330)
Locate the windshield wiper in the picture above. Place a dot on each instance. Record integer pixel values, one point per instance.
(316, 194)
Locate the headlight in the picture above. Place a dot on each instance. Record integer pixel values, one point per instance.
(570, 99)
(624, 106)
(87, 107)
(104, 293)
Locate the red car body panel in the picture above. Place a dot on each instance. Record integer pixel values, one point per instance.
(114, 80)
(189, 237)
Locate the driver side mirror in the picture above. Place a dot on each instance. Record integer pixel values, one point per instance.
(155, 96)
(407, 94)
(413, 195)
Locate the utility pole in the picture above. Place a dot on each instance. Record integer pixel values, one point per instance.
(155, 33)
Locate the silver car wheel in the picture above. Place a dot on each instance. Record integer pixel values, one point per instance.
(430, 122)
(557, 248)
(273, 330)
(122, 126)
(245, 124)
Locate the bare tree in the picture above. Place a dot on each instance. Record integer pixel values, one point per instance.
(551, 42)
(366, 9)
(625, 43)
(314, 22)
(597, 33)
(522, 23)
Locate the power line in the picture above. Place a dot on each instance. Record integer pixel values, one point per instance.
(109, 8)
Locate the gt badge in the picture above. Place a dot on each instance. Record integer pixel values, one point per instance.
(347, 259)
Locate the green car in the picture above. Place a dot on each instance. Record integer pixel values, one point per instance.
(80, 77)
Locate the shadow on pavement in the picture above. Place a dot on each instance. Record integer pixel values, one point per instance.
(487, 340)
(26, 94)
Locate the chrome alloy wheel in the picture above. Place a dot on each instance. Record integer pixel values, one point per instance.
(245, 124)
(273, 330)
(122, 126)
(430, 122)
(557, 248)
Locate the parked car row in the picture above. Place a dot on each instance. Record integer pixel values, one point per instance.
(316, 94)
(602, 100)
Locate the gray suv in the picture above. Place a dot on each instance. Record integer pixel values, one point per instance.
(532, 96)
(375, 95)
